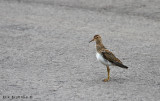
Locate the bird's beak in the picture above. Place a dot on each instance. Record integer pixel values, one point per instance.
(91, 40)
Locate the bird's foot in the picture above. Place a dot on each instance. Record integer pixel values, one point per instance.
(106, 80)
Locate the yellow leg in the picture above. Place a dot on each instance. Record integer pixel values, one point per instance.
(107, 79)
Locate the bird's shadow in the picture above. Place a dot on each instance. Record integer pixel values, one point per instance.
(111, 81)
(119, 80)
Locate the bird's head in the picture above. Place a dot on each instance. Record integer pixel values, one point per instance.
(96, 38)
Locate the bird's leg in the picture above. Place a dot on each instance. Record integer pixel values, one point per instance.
(107, 79)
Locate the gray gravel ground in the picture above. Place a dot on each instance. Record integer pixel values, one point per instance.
(44, 50)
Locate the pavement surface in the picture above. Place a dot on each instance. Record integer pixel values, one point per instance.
(45, 54)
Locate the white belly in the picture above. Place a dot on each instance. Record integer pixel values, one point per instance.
(102, 60)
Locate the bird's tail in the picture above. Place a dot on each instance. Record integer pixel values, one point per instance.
(120, 65)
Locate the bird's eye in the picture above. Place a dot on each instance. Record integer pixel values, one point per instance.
(96, 36)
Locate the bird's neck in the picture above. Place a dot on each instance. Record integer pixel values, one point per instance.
(99, 45)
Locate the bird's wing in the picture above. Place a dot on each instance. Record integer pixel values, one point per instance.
(112, 58)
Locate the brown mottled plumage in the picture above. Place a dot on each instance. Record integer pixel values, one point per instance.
(105, 56)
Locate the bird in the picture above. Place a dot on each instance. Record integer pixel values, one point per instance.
(105, 56)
